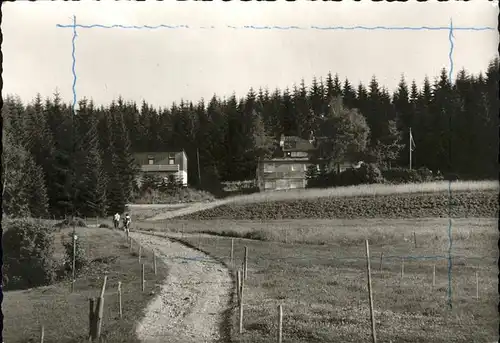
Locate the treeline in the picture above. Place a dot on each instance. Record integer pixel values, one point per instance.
(56, 162)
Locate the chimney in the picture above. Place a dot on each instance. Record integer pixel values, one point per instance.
(282, 141)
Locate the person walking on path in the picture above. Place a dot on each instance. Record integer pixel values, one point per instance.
(116, 220)
(126, 222)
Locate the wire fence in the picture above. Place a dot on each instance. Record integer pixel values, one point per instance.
(257, 268)
(107, 290)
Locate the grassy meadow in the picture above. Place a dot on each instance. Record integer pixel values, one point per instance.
(368, 190)
(65, 315)
(317, 270)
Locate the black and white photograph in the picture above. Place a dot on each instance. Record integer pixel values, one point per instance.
(234, 171)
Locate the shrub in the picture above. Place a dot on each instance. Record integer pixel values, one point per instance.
(425, 174)
(80, 256)
(150, 182)
(181, 195)
(312, 176)
(348, 177)
(451, 176)
(104, 226)
(28, 248)
(369, 173)
(239, 186)
(232, 188)
(402, 175)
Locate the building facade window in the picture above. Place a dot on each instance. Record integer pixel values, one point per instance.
(171, 159)
(270, 185)
(298, 167)
(151, 161)
(269, 167)
(298, 154)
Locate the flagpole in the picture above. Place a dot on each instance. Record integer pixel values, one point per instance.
(410, 148)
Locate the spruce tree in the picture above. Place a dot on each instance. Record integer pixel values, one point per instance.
(348, 95)
(59, 120)
(15, 197)
(288, 122)
(91, 181)
(316, 103)
(36, 189)
(123, 163)
(262, 142)
(303, 112)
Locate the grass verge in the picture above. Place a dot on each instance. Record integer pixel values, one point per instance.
(65, 315)
(322, 285)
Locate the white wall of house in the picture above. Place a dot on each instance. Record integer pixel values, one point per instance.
(182, 176)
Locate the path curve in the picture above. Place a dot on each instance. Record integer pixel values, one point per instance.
(192, 301)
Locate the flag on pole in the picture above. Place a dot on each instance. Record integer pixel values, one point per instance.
(412, 142)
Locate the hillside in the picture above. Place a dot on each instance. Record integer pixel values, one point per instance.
(416, 201)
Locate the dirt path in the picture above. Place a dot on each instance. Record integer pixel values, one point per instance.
(192, 301)
(196, 207)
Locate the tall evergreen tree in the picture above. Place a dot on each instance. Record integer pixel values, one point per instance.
(304, 114)
(36, 191)
(123, 170)
(349, 94)
(90, 179)
(454, 126)
(15, 196)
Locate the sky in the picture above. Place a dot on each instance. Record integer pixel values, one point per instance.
(166, 65)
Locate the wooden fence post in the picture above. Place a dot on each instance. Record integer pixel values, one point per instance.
(238, 284)
(42, 334)
(280, 324)
(415, 238)
(92, 320)
(140, 251)
(477, 286)
(143, 282)
(154, 262)
(434, 275)
(372, 317)
(402, 267)
(381, 260)
(100, 309)
(241, 304)
(73, 267)
(120, 298)
(245, 270)
(232, 253)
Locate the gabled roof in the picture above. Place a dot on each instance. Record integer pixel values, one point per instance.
(294, 143)
(159, 157)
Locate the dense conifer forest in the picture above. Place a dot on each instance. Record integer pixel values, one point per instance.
(56, 162)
